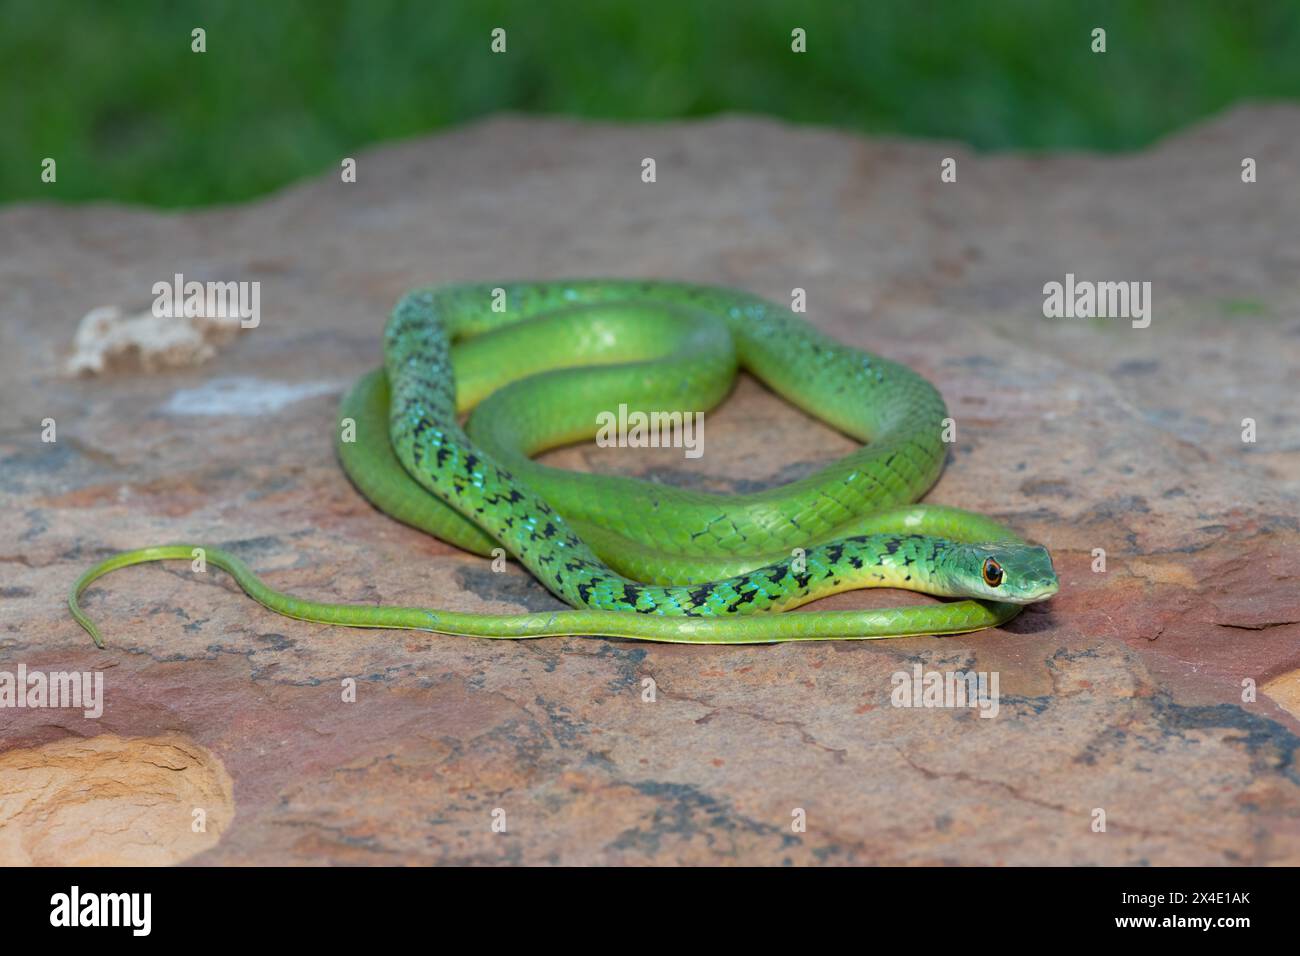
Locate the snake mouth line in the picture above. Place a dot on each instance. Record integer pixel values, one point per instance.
(1036, 596)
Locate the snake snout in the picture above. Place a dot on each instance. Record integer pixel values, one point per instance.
(1016, 573)
(1041, 582)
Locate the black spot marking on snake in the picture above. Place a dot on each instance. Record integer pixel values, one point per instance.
(700, 595)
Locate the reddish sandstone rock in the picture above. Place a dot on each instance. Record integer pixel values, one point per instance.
(1124, 693)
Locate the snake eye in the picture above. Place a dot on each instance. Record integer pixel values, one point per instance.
(992, 573)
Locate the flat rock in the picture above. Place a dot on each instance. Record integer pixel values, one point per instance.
(1129, 695)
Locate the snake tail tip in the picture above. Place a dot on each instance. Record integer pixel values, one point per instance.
(94, 634)
(86, 624)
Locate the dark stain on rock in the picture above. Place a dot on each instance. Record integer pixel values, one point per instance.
(1136, 367)
(1113, 508)
(277, 642)
(1065, 654)
(974, 361)
(1272, 746)
(1105, 740)
(524, 737)
(627, 660)
(49, 458)
(686, 812)
(37, 524)
(508, 586)
(262, 545)
(1026, 705)
(1045, 487)
(565, 728)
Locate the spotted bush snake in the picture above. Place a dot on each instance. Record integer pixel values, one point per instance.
(535, 362)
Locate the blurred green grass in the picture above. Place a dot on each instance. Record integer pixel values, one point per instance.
(285, 89)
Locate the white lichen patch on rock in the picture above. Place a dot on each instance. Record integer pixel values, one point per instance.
(245, 396)
(107, 340)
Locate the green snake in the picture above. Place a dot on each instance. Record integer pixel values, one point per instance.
(535, 363)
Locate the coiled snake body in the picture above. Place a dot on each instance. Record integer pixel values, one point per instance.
(637, 559)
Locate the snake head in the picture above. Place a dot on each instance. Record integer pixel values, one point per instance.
(1014, 573)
